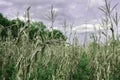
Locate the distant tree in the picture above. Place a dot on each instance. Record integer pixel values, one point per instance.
(16, 24)
(57, 34)
(13, 25)
(4, 33)
(4, 22)
(33, 32)
(34, 28)
(40, 28)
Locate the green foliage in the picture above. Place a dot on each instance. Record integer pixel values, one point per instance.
(56, 34)
(33, 32)
(4, 21)
(16, 24)
(39, 29)
(83, 69)
(45, 72)
(4, 33)
(35, 29)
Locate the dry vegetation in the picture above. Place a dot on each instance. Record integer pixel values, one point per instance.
(37, 60)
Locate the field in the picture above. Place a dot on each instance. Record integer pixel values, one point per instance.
(28, 52)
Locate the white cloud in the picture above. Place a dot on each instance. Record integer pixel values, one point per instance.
(72, 6)
(5, 3)
(21, 18)
(39, 7)
(96, 2)
(87, 28)
(56, 9)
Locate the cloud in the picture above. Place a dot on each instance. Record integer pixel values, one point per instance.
(74, 11)
(96, 3)
(5, 3)
(87, 28)
(64, 8)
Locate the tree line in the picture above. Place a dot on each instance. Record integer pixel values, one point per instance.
(35, 29)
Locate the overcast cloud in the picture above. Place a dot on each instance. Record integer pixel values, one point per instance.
(77, 12)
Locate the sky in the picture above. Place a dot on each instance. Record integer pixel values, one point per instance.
(76, 12)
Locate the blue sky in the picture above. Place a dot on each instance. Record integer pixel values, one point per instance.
(76, 12)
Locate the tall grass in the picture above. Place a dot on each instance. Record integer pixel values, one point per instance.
(21, 59)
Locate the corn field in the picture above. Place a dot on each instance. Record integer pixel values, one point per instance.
(55, 59)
